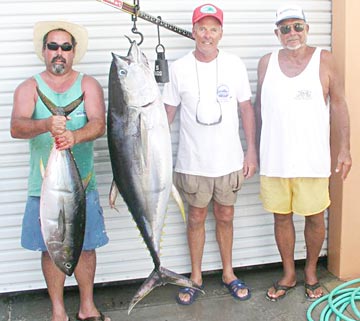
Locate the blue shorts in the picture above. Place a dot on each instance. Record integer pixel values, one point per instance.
(95, 234)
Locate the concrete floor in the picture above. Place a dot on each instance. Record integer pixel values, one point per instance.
(159, 305)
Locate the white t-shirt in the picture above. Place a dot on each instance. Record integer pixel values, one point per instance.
(295, 130)
(205, 92)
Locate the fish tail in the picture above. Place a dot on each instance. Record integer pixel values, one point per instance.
(158, 277)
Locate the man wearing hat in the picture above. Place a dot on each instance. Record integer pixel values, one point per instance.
(60, 44)
(298, 89)
(210, 87)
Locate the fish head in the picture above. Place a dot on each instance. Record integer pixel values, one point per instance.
(137, 80)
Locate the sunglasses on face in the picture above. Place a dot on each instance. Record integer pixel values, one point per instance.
(55, 46)
(298, 27)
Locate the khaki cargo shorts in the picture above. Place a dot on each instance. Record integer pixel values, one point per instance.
(199, 190)
(304, 196)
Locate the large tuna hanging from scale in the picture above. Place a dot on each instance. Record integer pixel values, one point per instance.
(141, 157)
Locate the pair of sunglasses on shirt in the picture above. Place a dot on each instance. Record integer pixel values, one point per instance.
(298, 27)
(55, 46)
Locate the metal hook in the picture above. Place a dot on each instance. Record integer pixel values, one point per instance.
(134, 19)
(159, 45)
(135, 31)
(158, 28)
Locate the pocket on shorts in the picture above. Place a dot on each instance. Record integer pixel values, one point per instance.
(236, 180)
(187, 183)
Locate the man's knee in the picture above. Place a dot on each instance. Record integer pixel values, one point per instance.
(223, 214)
(316, 221)
(197, 216)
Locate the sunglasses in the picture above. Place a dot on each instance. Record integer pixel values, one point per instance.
(208, 115)
(55, 46)
(298, 27)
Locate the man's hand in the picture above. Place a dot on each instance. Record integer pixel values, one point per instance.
(250, 164)
(344, 164)
(56, 125)
(65, 140)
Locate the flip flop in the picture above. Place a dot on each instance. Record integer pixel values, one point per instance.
(279, 287)
(235, 286)
(101, 317)
(312, 288)
(193, 294)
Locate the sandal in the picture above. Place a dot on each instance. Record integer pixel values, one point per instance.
(193, 294)
(235, 286)
(101, 317)
(312, 288)
(279, 287)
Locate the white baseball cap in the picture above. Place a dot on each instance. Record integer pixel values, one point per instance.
(290, 11)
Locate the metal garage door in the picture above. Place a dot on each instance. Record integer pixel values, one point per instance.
(248, 32)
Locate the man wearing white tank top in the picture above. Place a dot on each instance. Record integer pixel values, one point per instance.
(298, 89)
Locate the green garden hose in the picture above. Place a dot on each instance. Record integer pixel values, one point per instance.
(338, 300)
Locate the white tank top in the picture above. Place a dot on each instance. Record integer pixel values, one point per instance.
(295, 122)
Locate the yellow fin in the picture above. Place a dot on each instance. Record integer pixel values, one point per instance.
(86, 180)
(42, 168)
(113, 195)
(176, 195)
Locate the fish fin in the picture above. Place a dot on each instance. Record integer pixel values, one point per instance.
(48, 103)
(113, 195)
(42, 168)
(177, 197)
(158, 277)
(55, 110)
(86, 180)
(68, 109)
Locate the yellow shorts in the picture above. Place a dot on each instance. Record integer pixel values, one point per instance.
(304, 196)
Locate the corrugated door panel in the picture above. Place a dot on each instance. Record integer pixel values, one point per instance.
(248, 32)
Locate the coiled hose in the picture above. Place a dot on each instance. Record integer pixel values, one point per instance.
(339, 300)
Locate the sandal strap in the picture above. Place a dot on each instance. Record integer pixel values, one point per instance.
(312, 287)
(101, 317)
(237, 285)
(190, 291)
(279, 287)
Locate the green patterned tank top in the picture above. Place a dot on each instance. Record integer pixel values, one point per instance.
(40, 146)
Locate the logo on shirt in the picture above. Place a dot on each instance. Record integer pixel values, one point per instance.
(223, 93)
(80, 113)
(304, 94)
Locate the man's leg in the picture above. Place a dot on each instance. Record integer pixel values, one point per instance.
(314, 239)
(85, 274)
(55, 283)
(224, 216)
(196, 242)
(285, 240)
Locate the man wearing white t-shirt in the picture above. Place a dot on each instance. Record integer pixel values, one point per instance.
(210, 87)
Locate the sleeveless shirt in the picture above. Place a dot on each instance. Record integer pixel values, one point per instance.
(40, 146)
(295, 131)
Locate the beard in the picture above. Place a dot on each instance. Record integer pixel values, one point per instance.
(58, 68)
(295, 47)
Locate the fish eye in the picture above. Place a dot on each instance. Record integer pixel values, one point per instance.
(122, 72)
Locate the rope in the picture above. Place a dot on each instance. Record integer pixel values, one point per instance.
(338, 300)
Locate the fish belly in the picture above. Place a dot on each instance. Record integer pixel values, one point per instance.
(62, 211)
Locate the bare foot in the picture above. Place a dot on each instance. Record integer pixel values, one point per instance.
(313, 291)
